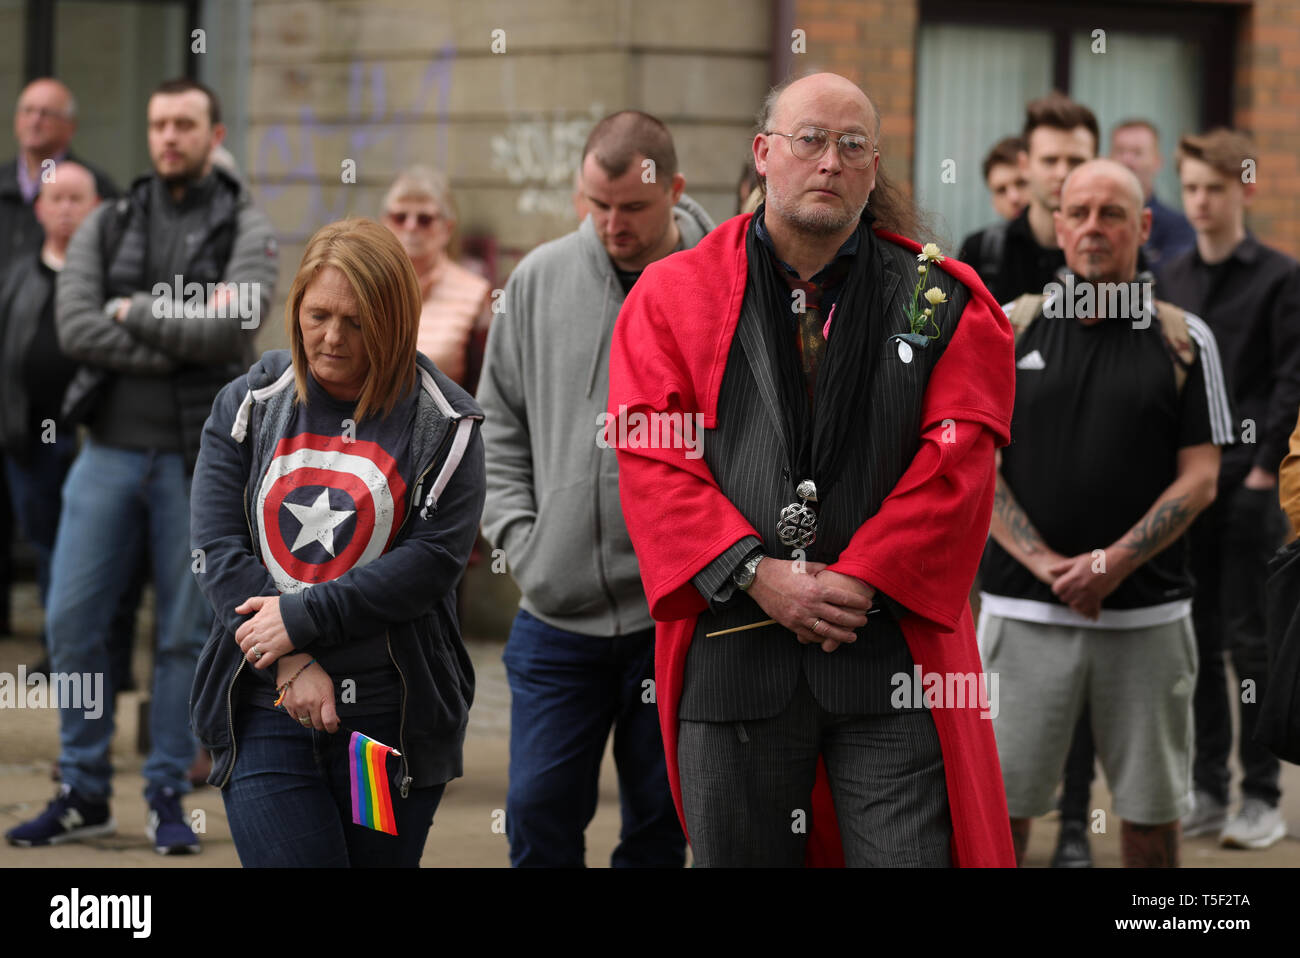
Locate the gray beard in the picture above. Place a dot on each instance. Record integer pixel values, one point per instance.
(815, 222)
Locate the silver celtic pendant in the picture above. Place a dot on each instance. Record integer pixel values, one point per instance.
(797, 525)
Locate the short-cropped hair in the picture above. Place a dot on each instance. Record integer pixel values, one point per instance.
(1134, 122)
(185, 85)
(1005, 152)
(388, 305)
(1224, 150)
(621, 137)
(1059, 112)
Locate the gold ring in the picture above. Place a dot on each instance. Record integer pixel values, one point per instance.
(814, 628)
(304, 721)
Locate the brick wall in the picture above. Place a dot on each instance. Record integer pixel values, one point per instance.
(873, 43)
(1268, 107)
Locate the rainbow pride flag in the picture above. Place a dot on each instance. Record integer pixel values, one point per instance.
(372, 803)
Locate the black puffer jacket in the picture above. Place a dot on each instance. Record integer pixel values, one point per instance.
(120, 246)
(26, 301)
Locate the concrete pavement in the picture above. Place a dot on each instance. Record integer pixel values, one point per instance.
(466, 830)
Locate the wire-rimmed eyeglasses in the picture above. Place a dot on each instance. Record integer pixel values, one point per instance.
(809, 143)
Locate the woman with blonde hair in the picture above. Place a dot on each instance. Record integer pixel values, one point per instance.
(335, 502)
(420, 211)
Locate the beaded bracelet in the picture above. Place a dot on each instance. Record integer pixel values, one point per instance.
(284, 688)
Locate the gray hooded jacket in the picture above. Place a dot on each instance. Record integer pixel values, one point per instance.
(552, 485)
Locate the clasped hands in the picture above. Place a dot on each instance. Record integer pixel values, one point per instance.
(264, 640)
(1074, 581)
(819, 606)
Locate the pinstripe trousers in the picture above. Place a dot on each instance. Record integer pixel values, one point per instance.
(747, 786)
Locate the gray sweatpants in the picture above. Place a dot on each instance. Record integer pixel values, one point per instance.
(1138, 684)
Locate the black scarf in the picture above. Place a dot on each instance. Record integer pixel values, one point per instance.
(817, 447)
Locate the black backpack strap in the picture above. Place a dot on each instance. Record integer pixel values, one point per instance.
(1024, 310)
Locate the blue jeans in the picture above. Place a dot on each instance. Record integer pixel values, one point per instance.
(289, 799)
(115, 503)
(34, 491)
(566, 690)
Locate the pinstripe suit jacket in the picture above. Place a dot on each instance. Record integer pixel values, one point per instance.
(752, 675)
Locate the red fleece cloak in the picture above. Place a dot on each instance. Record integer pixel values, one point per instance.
(922, 547)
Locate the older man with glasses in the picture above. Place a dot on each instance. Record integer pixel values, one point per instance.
(420, 212)
(45, 119)
(846, 478)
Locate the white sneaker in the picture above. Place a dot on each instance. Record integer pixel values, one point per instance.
(1257, 825)
(1207, 816)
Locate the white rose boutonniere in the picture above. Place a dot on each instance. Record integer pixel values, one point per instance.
(920, 317)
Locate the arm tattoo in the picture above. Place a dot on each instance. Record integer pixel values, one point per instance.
(1158, 529)
(1013, 517)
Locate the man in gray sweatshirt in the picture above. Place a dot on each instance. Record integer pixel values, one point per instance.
(580, 658)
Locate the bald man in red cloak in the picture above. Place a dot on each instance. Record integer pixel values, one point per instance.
(806, 408)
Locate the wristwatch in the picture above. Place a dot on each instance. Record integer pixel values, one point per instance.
(747, 570)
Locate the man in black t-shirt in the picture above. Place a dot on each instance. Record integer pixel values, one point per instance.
(1087, 599)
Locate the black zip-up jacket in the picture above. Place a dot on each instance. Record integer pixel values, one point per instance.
(1251, 302)
(408, 593)
(1022, 266)
(27, 305)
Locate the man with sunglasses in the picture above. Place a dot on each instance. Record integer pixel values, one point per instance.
(813, 564)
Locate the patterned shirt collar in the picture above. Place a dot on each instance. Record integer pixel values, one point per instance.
(28, 185)
(848, 249)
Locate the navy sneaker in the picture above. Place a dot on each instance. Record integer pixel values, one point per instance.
(166, 825)
(68, 818)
